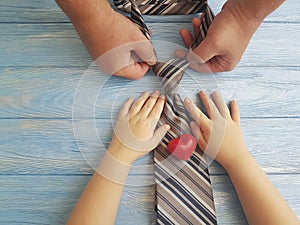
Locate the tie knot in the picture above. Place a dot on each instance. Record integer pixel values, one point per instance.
(170, 73)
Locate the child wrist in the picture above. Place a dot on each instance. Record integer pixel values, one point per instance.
(238, 162)
(122, 153)
(113, 169)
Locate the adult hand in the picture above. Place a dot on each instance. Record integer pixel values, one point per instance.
(122, 47)
(113, 39)
(226, 40)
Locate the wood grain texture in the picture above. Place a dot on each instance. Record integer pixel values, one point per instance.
(57, 45)
(49, 199)
(42, 169)
(31, 146)
(35, 11)
(50, 92)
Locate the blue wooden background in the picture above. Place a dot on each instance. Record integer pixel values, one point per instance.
(42, 170)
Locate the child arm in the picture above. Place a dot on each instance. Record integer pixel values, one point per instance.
(99, 202)
(260, 200)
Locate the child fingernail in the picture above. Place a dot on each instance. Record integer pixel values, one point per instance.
(187, 100)
(156, 92)
(162, 97)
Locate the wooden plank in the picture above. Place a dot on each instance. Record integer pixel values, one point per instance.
(33, 11)
(49, 199)
(57, 45)
(227, 205)
(49, 147)
(49, 92)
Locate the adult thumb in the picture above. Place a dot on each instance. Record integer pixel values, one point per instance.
(204, 52)
(145, 50)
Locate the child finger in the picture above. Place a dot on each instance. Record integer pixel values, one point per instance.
(160, 133)
(138, 104)
(195, 112)
(126, 107)
(222, 107)
(158, 108)
(235, 112)
(205, 100)
(149, 104)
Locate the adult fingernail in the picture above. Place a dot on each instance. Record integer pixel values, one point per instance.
(152, 60)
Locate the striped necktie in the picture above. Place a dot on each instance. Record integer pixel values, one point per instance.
(183, 188)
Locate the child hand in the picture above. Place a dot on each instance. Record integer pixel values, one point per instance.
(135, 134)
(219, 135)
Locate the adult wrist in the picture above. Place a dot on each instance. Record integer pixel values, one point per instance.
(82, 11)
(257, 10)
(247, 15)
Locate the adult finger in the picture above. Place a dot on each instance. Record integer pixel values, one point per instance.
(206, 50)
(180, 53)
(134, 71)
(186, 37)
(196, 22)
(145, 51)
(206, 68)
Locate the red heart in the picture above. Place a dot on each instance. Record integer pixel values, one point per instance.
(183, 146)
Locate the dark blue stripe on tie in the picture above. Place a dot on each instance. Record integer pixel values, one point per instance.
(200, 163)
(175, 209)
(176, 187)
(208, 194)
(163, 218)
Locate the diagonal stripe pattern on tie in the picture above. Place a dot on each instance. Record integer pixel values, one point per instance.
(183, 188)
(163, 7)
